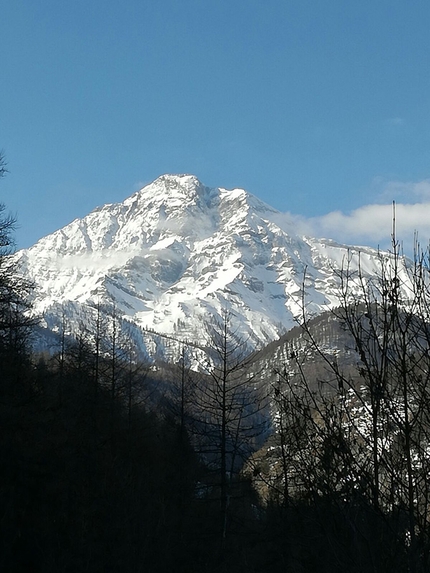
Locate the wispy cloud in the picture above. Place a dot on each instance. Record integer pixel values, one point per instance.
(372, 224)
(404, 191)
(395, 121)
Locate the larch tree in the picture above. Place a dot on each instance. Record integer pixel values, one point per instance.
(228, 405)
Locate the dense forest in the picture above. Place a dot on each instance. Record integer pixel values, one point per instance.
(108, 463)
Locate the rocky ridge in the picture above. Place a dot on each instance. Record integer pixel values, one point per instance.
(177, 253)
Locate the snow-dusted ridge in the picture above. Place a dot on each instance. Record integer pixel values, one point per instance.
(176, 253)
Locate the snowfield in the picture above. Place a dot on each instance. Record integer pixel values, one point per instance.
(177, 253)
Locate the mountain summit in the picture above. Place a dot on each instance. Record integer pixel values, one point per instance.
(176, 253)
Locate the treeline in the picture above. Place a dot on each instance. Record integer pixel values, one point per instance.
(101, 470)
(84, 487)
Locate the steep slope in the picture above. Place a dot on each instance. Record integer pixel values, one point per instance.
(176, 253)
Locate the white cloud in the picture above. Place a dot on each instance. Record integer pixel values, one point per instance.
(372, 224)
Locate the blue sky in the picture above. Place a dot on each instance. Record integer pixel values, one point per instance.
(320, 108)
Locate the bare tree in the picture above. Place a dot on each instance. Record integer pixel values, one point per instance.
(15, 322)
(366, 420)
(228, 407)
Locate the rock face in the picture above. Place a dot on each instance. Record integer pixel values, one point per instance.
(177, 253)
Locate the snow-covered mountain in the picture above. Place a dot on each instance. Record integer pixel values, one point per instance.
(177, 253)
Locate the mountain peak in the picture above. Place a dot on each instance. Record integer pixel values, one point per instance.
(168, 188)
(181, 178)
(177, 253)
(184, 181)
